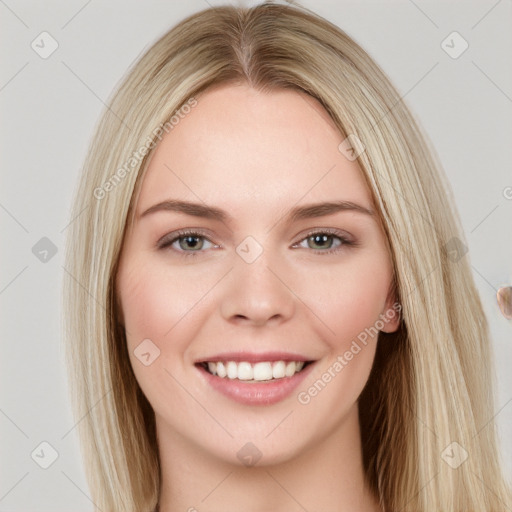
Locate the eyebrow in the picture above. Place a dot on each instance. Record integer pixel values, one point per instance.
(295, 214)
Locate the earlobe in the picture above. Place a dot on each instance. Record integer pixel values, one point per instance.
(391, 317)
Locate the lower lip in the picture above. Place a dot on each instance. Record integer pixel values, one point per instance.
(256, 393)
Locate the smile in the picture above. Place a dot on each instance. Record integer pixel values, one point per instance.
(255, 380)
(254, 372)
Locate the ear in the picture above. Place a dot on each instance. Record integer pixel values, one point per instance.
(392, 312)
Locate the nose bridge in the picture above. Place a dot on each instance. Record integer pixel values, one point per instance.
(256, 292)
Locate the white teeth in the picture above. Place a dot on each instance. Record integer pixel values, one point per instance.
(232, 369)
(221, 370)
(261, 371)
(278, 370)
(290, 369)
(212, 368)
(245, 371)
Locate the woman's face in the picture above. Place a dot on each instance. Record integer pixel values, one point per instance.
(254, 278)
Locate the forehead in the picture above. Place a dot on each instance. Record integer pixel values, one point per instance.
(247, 149)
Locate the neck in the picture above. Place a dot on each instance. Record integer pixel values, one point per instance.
(327, 476)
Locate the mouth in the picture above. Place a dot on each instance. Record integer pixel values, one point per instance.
(255, 380)
(262, 371)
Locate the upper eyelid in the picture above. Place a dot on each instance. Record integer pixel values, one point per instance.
(173, 236)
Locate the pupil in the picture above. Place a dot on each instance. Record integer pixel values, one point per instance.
(320, 239)
(191, 242)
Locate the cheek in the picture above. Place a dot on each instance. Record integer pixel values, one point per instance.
(154, 300)
(156, 304)
(348, 299)
(167, 306)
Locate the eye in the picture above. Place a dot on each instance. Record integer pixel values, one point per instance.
(191, 243)
(326, 241)
(185, 242)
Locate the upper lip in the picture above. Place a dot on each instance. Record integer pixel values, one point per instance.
(253, 357)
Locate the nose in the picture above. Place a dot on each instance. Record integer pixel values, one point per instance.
(257, 294)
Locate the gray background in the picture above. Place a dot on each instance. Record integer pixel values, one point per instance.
(49, 108)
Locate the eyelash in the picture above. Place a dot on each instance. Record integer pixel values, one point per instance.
(165, 243)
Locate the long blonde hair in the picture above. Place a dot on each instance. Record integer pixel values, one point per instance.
(431, 384)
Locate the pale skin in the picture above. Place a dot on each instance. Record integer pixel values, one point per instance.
(256, 156)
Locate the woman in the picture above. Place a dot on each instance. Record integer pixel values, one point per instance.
(265, 311)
